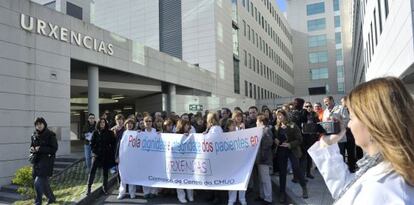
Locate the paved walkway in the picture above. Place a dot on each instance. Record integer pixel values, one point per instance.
(318, 192)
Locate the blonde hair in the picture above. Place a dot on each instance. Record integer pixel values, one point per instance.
(212, 119)
(386, 107)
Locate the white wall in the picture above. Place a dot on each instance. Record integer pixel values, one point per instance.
(136, 19)
(394, 53)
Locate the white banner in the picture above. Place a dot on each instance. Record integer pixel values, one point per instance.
(195, 161)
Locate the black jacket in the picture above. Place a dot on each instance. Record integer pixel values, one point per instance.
(103, 146)
(45, 156)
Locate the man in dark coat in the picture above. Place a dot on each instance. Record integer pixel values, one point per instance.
(43, 149)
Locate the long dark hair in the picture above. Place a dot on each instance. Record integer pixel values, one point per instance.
(98, 125)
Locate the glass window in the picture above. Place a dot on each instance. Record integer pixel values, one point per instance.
(337, 21)
(316, 24)
(235, 42)
(73, 10)
(250, 90)
(236, 76)
(338, 38)
(245, 58)
(379, 16)
(246, 89)
(340, 73)
(316, 8)
(318, 57)
(248, 32)
(341, 87)
(386, 8)
(336, 5)
(338, 54)
(317, 41)
(244, 27)
(319, 73)
(250, 61)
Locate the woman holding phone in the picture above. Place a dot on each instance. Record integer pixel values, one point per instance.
(382, 121)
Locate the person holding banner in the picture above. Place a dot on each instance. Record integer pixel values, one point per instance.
(264, 159)
(184, 127)
(230, 127)
(237, 117)
(381, 119)
(149, 192)
(288, 138)
(103, 145)
(213, 125)
(129, 125)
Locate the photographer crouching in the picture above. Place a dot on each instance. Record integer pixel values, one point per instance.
(43, 148)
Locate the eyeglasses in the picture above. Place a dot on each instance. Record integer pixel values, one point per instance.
(308, 106)
(148, 121)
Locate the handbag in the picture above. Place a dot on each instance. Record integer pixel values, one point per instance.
(33, 158)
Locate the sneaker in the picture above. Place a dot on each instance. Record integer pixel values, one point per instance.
(120, 196)
(230, 203)
(183, 201)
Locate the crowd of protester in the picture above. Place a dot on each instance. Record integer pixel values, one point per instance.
(287, 136)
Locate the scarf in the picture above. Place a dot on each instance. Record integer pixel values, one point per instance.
(364, 164)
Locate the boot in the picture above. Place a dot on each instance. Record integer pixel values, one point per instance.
(282, 197)
(305, 192)
(88, 191)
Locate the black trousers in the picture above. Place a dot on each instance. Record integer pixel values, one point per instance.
(95, 164)
(42, 186)
(305, 161)
(283, 154)
(350, 148)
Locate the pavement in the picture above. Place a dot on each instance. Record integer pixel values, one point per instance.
(318, 192)
(200, 197)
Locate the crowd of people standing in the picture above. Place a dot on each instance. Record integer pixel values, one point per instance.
(283, 146)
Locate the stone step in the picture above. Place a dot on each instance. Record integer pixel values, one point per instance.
(9, 197)
(64, 159)
(61, 165)
(11, 188)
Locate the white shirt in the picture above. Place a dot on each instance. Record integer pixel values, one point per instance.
(153, 130)
(379, 185)
(215, 129)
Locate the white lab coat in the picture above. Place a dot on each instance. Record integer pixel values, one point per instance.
(379, 185)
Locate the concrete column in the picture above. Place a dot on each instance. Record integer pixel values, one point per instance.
(168, 97)
(93, 90)
(171, 97)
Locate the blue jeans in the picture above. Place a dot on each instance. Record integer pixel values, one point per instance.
(88, 156)
(42, 186)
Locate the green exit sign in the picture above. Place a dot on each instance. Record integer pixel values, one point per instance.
(195, 107)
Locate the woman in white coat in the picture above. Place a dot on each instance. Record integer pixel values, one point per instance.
(382, 121)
